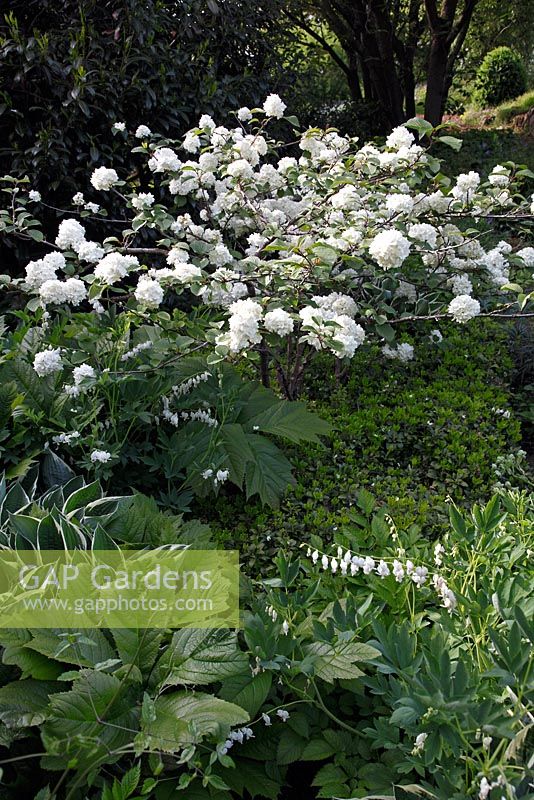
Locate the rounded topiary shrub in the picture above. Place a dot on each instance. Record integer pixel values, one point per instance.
(501, 77)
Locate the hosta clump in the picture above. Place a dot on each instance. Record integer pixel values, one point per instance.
(78, 515)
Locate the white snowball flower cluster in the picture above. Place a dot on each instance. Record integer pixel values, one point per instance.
(274, 107)
(499, 176)
(104, 178)
(143, 200)
(329, 324)
(401, 352)
(82, 372)
(90, 251)
(245, 316)
(279, 321)
(347, 337)
(466, 185)
(47, 362)
(149, 292)
(71, 291)
(44, 269)
(143, 132)
(423, 232)
(70, 234)
(463, 308)
(244, 114)
(390, 249)
(400, 137)
(164, 160)
(114, 267)
(526, 254)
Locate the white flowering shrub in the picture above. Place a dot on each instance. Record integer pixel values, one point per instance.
(279, 256)
(244, 254)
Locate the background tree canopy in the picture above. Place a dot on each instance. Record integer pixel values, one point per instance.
(71, 69)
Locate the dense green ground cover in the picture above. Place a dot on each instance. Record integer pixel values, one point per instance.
(413, 434)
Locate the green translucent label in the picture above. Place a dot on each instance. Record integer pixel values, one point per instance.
(113, 589)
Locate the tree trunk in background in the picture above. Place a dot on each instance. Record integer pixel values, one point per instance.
(380, 39)
(353, 76)
(447, 38)
(436, 72)
(378, 48)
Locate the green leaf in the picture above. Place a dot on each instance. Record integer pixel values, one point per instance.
(201, 656)
(451, 141)
(81, 497)
(237, 451)
(130, 782)
(421, 126)
(290, 747)
(54, 470)
(248, 691)
(138, 646)
(95, 699)
(291, 420)
(91, 646)
(31, 663)
(269, 474)
(26, 702)
(331, 663)
(15, 500)
(186, 718)
(457, 521)
(404, 716)
(48, 535)
(101, 540)
(317, 750)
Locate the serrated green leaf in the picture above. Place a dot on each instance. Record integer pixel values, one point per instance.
(201, 656)
(186, 718)
(248, 691)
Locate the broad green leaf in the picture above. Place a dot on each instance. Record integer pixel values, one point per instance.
(331, 663)
(290, 747)
(81, 497)
(451, 141)
(237, 451)
(186, 718)
(201, 656)
(91, 646)
(138, 646)
(269, 474)
(291, 420)
(317, 750)
(24, 703)
(96, 698)
(248, 691)
(31, 663)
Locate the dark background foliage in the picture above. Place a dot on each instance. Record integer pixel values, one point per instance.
(71, 69)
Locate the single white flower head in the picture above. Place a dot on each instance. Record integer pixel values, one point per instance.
(274, 107)
(103, 178)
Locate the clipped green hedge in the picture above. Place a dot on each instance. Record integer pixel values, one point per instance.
(412, 434)
(500, 77)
